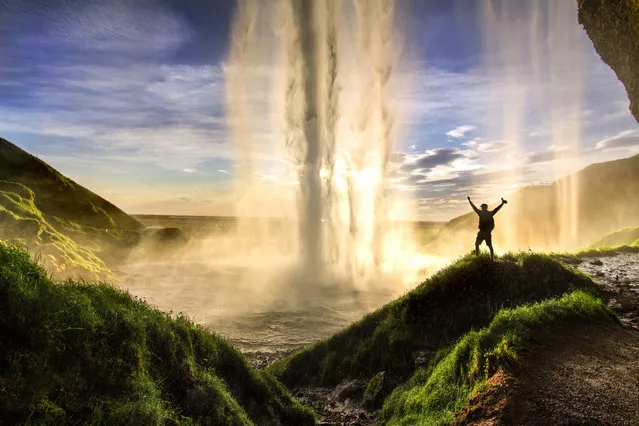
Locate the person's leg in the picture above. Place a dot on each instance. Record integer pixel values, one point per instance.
(489, 242)
(478, 241)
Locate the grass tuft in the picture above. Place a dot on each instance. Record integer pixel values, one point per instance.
(77, 352)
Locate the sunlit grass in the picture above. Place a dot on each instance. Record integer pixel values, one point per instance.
(625, 240)
(84, 353)
(32, 227)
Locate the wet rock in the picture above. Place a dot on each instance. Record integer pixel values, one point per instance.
(165, 235)
(376, 390)
(596, 262)
(350, 389)
(619, 277)
(333, 412)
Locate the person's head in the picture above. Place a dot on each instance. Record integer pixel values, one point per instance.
(484, 206)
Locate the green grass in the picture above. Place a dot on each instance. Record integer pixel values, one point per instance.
(75, 231)
(57, 195)
(435, 396)
(82, 353)
(609, 251)
(623, 237)
(461, 297)
(56, 239)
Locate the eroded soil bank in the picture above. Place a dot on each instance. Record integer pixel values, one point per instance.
(583, 375)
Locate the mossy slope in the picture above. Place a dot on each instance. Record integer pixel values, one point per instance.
(57, 195)
(464, 296)
(435, 396)
(80, 353)
(75, 231)
(623, 237)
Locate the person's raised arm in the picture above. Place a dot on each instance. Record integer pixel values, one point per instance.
(473, 206)
(499, 206)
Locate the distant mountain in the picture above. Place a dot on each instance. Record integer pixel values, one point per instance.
(72, 228)
(605, 197)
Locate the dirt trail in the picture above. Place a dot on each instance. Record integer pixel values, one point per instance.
(571, 376)
(590, 377)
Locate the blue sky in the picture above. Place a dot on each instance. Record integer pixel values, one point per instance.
(127, 97)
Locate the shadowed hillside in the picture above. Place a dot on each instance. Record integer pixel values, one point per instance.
(74, 230)
(607, 202)
(80, 353)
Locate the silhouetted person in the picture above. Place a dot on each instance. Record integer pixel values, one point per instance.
(486, 225)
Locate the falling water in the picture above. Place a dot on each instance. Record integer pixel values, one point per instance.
(328, 71)
(536, 50)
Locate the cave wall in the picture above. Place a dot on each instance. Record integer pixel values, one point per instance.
(613, 27)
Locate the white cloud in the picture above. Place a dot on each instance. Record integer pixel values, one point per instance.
(132, 26)
(495, 146)
(625, 139)
(460, 131)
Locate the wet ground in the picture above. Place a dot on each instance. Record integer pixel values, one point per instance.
(619, 277)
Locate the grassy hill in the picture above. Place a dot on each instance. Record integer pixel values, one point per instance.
(74, 230)
(623, 237)
(80, 353)
(472, 294)
(607, 202)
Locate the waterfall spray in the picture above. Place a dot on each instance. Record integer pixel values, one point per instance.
(535, 49)
(332, 79)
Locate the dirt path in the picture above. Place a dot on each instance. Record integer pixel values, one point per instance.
(590, 377)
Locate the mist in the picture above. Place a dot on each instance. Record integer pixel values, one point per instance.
(314, 105)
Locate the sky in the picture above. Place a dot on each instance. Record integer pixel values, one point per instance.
(127, 98)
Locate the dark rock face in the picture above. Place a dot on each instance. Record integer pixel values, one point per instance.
(164, 236)
(613, 27)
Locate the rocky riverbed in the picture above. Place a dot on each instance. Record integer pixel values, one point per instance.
(619, 277)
